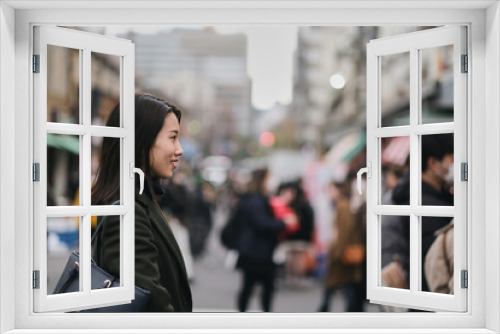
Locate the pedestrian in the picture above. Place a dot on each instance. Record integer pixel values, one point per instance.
(395, 245)
(200, 221)
(436, 190)
(439, 264)
(258, 238)
(159, 266)
(298, 243)
(344, 274)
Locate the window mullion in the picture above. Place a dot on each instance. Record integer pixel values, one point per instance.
(85, 157)
(394, 210)
(433, 129)
(414, 171)
(392, 131)
(127, 75)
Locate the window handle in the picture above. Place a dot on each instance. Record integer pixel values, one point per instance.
(368, 171)
(141, 176)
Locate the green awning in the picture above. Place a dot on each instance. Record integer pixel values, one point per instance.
(64, 142)
(359, 144)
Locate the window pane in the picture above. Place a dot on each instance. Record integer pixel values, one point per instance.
(63, 85)
(437, 254)
(437, 170)
(395, 89)
(105, 87)
(106, 180)
(395, 181)
(62, 239)
(106, 250)
(395, 251)
(63, 170)
(437, 84)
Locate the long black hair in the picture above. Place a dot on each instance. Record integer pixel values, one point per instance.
(150, 113)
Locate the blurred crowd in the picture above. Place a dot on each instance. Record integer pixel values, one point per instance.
(273, 229)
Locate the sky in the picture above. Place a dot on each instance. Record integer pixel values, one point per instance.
(269, 59)
(269, 63)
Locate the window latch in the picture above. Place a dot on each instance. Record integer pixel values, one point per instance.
(141, 176)
(368, 171)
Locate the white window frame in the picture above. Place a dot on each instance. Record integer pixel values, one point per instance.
(483, 20)
(413, 44)
(85, 43)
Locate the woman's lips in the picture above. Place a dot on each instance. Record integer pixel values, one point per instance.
(173, 165)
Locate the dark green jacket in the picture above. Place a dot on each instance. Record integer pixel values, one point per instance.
(159, 266)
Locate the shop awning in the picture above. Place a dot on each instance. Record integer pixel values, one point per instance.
(396, 151)
(343, 151)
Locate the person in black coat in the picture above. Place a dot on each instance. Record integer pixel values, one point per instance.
(437, 177)
(159, 265)
(257, 240)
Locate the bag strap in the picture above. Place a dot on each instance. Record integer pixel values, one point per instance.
(96, 232)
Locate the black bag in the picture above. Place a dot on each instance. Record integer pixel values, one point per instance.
(100, 279)
(230, 233)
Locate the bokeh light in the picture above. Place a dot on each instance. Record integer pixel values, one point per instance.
(194, 127)
(266, 139)
(337, 81)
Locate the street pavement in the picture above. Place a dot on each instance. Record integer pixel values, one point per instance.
(215, 285)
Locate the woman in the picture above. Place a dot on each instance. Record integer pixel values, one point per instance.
(258, 239)
(342, 275)
(159, 266)
(299, 243)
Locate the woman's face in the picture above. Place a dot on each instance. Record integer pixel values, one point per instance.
(166, 150)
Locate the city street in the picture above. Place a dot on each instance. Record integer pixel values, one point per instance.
(215, 287)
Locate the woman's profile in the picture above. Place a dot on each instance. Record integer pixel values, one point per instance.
(159, 266)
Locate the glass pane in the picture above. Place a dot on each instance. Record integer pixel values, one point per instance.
(105, 87)
(395, 89)
(395, 251)
(106, 180)
(62, 239)
(63, 170)
(437, 254)
(63, 85)
(437, 84)
(106, 251)
(395, 177)
(437, 170)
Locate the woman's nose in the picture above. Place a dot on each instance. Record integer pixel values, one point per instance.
(179, 151)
